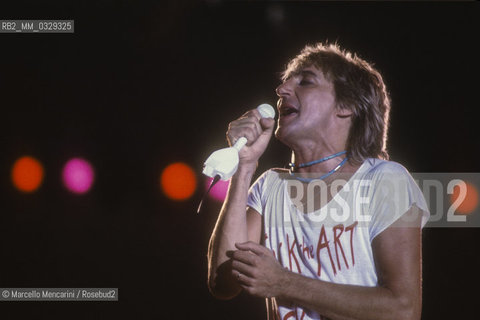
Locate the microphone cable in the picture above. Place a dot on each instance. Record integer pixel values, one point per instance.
(214, 181)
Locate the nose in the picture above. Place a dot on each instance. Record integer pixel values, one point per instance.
(284, 89)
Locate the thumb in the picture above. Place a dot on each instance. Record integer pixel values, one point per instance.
(267, 124)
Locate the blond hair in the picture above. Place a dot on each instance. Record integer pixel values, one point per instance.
(359, 88)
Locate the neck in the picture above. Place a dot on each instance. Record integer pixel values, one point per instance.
(314, 145)
(308, 154)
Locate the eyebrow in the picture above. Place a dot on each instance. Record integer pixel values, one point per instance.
(302, 72)
(308, 73)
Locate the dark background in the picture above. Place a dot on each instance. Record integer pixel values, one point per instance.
(138, 86)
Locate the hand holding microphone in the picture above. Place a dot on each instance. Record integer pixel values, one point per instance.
(224, 163)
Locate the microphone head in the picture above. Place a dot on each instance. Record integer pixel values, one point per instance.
(266, 110)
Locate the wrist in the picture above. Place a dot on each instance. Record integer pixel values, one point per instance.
(284, 283)
(245, 171)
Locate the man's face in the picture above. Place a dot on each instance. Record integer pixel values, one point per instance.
(306, 106)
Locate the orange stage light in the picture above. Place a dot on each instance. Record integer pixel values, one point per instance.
(178, 181)
(27, 174)
(469, 203)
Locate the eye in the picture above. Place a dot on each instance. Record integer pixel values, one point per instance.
(305, 82)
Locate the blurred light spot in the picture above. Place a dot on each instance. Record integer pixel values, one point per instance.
(275, 14)
(27, 174)
(178, 181)
(78, 175)
(219, 190)
(470, 201)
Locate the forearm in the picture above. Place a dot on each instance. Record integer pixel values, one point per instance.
(339, 301)
(231, 228)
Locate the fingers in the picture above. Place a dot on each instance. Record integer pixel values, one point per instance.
(243, 279)
(247, 126)
(245, 257)
(244, 262)
(253, 113)
(267, 123)
(242, 268)
(244, 127)
(253, 247)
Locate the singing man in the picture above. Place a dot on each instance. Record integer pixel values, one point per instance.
(337, 234)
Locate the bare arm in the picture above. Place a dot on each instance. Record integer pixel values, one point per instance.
(236, 223)
(397, 254)
(233, 225)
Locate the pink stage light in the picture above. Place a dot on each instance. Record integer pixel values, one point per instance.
(78, 175)
(219, 190)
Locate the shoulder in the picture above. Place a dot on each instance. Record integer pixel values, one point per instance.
(269, 175)
(268, 182)
(384, 172)
(274, 172)
(382, 167)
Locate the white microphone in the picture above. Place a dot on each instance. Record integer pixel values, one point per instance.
(224, 162)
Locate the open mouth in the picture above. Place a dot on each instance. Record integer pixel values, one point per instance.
(287, 110)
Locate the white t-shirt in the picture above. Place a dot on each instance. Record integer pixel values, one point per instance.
(332, 243)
